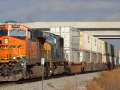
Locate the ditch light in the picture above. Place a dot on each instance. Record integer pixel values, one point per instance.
(6, 40)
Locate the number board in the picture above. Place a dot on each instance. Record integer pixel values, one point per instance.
(15, 26)
(2, 26)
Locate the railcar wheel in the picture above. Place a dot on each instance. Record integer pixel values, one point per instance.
(82, 69)
(49, 72)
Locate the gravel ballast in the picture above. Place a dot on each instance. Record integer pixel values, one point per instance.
(62, 83)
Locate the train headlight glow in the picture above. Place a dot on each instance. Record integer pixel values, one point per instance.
(6, 40)
(22, 64)
(14, 58)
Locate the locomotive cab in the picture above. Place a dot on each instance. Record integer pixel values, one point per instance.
(56, 47)
(55, 43)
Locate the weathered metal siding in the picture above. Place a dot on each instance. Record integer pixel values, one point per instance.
(55, 30)
(115, 60)
(104, 47)
(99, 46)
(85, 41)
(104, 58)
(75, 43)
(70, 35)
(117, 52)
(72, 55)
(93, 57)
(99, 57)
(84, 56)
(111, 59)
(94, 44)
(108, 49)
(112, 50)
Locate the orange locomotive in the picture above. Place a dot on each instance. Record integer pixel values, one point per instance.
(12, 51)
(21, 50)
(12, 38)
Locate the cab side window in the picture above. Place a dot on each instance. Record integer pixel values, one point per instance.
(29, 34)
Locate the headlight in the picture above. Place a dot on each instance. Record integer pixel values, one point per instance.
(14, 58)
(6, 40)
(22, 64)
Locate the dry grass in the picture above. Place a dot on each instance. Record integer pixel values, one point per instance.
(93, 86)
(68, 86)
(108, 80)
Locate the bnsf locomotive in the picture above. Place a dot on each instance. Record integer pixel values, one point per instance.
(21, 50)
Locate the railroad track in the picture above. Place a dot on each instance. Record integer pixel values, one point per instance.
(11, 83)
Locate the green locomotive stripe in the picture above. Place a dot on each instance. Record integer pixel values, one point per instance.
(11, 46)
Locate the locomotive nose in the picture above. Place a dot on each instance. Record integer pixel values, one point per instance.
(0, 41)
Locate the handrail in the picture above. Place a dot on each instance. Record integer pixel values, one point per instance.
(0, 54)
(10, 53)
(45, 54)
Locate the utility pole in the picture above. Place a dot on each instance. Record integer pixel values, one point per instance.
(76, 81)
(42, 63)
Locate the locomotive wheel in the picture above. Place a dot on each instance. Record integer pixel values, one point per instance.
(48, 71)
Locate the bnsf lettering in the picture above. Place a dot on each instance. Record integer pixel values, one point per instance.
(3, 46)
(11, 46)
(20, 46)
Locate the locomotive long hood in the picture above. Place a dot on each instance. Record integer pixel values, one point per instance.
(38, 33)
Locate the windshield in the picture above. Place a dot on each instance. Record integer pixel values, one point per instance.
(3, 32)
(49, 40)
(17, 32)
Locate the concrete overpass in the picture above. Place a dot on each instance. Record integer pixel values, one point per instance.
(98, 29)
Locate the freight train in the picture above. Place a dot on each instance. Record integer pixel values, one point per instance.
(87, 50)
(65, 49)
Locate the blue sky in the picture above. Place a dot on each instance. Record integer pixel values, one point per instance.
(60, 10)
